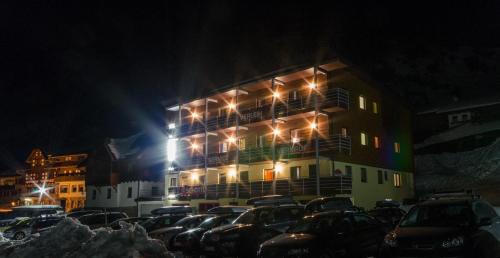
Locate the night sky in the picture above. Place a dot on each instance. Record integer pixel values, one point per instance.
(74, 73)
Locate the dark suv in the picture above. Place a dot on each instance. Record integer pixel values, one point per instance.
(330, 204)
(446, 228)
(328, 234)
(97, 220)
(243, 237)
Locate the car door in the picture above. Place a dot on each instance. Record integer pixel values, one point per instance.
(484, 211)
(367, 233)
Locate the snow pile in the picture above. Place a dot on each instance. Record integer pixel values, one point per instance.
(462, 170)
(71, 239)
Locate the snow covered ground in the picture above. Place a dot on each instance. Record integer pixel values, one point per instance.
(72, 239)
(474, 169)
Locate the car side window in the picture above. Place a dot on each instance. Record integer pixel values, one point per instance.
(482, 211)
(362, 220)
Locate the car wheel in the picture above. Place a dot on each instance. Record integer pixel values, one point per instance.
(19, 236)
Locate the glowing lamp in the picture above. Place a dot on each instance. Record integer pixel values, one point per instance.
(279, 168)
(171, 149)
(232, 173)
(276, 131)
(231, 106)
(194, 176)
(314, 126)
(195, 115)
(312, 85)
(195, 146)
(231, 139)
(276, 94)
(295, 140)
(171, 126)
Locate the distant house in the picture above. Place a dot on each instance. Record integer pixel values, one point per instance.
(11, 188)
(459, 126)
(61, 176)
(127, 175)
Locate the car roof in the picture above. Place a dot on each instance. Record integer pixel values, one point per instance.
(446, 202)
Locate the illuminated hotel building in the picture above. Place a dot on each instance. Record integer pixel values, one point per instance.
(61, 178)
(310, 131)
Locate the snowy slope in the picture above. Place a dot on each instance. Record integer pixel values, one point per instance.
(472, 169)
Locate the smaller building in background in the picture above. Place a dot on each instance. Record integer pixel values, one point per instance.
(127, 176)
(55, 179)
(459, 126)
(11, 189)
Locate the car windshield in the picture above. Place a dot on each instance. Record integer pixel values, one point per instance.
(438, 216)
(314, 224)
(23, 222)
(248, 217)
(210, 223)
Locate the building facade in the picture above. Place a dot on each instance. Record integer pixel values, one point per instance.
(130, 177)
(11, 189)
(55, 179)
(308, 132)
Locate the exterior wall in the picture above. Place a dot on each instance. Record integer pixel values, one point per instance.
(72, 199)
(119, 196)
(367, 194)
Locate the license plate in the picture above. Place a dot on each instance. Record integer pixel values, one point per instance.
(209, 248)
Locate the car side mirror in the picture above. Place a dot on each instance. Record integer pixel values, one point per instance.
(485, 222)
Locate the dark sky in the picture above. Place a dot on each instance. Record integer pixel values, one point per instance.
(73, 73)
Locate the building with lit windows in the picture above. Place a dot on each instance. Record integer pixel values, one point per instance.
(306, 131)
(55, 179)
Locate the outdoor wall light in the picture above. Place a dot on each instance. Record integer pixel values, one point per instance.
(276, 131)
(312, 85)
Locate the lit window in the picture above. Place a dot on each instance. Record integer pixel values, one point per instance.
(397, 147)
(242, 143)
(362, 102)
(344, 132)
(376, 142)
(295, 137)
(363, 139)
(375, 107)
(223, 147)
(397, 180)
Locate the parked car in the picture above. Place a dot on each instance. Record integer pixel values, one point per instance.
(131, 220)
(177, 210)
(446, 228)
(161, 222)
(243, 236)
(77, 214)
(328, 234)
(228, 209)
(30, 212)
(168, 234)
(189, 241)
(97, 220)
(271, 200)
(27, 227)
(330, 204)
(387, 215)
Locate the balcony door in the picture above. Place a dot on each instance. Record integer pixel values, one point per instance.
(268, 174)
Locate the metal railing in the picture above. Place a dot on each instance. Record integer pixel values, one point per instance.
(337, 143)
(331, 97)
(285, 186)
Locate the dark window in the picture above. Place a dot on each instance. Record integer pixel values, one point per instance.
(483, 211)
(202, 180)
(73, 188)
(295, 172)
(109, 193)
(380, 177)
(129, 192)
(364, 176)
(312, 171)
(244, 176)
(385, 176)
(348, 171)
(94, 194)
(80, 188)
(222, 178)
(155, 191)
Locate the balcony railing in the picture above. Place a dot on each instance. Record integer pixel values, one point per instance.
(336, 98)
(337, 143)
(304, 186)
